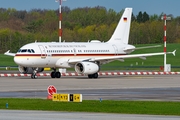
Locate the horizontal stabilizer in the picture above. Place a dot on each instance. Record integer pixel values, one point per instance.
(132, 48)
(147, 47)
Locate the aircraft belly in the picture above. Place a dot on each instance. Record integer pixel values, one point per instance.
(62, 63)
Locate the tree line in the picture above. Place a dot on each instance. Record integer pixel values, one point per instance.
(19, 27)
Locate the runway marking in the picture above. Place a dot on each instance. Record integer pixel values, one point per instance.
(100, 74)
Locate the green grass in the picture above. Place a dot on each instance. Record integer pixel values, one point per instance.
(106, 106)
(132, 63)
(7, 60)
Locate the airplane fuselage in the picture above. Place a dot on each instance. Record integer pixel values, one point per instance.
(57, 55)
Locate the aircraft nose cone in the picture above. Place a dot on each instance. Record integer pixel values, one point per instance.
(17, 60)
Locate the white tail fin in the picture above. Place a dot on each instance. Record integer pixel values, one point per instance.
(121, 33)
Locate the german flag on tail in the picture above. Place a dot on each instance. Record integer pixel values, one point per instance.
(125, 19)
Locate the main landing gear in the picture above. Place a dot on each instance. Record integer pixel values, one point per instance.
(95, 75)
(55, 74)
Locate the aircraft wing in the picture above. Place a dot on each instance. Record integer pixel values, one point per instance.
(133, 56)
(9, 54)
(121, 57)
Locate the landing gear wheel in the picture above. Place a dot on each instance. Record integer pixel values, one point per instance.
(33, 76)
(52, 74)
(57, 74)
(95, 75)
(90, 76)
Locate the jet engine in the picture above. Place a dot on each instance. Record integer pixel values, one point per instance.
(29, 70)
(86, 68)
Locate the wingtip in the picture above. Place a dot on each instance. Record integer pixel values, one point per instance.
(7, 52)
(174, 52)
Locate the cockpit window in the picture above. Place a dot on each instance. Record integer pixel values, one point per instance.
(19, 50)
(32, 51)
(29, 50)
(26, 50)
(23, 50)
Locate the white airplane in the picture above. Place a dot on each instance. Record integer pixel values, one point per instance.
(85, 57)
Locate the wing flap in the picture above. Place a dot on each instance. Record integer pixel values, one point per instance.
(138, 48)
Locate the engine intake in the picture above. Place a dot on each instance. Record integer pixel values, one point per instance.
(86, 68)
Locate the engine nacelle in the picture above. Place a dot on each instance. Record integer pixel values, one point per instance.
(29, 70)
(86, 68)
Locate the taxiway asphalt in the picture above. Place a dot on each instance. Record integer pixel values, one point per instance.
(50, 115)
(142, 87)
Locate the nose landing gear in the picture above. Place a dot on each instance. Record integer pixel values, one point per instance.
(33, 75)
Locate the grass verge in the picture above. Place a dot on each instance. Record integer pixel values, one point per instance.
(106, 106)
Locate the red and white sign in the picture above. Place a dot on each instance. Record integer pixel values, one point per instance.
(51, 90)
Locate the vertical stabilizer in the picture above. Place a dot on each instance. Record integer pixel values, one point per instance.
(121, 33)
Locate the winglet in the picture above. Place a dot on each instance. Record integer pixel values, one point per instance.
(174, 52)
(9, 54)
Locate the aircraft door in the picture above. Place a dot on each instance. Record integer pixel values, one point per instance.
(74, 51)
(43, 52)
(115, 49)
